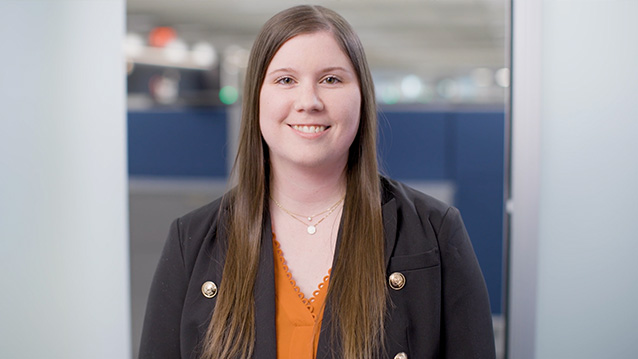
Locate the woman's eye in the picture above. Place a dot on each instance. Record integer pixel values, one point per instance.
(331, 80)
(285, 81)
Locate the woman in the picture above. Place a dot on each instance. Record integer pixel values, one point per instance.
(313, 254)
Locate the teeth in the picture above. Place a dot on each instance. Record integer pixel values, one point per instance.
(309, 129)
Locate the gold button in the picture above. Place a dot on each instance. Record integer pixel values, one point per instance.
(209, 289)
(401, 355)
(397, 281)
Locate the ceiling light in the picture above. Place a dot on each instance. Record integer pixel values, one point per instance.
(133, 44)
(204, 54)
(411, 86)
(175, 51)
(502, 77)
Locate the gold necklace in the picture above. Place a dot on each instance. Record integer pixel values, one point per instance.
(310, 228)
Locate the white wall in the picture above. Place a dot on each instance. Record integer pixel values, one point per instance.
(63, 210)
(586, 278)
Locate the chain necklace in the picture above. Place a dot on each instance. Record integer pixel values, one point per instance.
(310, 228)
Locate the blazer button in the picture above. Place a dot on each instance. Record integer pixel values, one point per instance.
(401, 355)
(397, 281)
(209, 289)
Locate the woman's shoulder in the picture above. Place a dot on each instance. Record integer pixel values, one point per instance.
(195, 228)
(423, 216)
(417, 209)
(202, 217)
(406, 196)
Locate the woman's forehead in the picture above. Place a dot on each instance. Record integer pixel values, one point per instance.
(317, 49)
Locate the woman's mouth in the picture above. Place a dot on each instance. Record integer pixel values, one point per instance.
(310, 129)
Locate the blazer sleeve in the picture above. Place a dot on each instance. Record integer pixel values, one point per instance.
(161, 331)
(466, 316)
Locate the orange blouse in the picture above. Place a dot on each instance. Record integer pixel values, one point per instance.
(297, 319)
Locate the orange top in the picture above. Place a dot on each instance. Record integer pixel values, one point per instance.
(297, 319)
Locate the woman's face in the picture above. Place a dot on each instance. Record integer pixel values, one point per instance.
(310, 103)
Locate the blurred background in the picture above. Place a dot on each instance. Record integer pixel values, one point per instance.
(440, 71)
(442, 82)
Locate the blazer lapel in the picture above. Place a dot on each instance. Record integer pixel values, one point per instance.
(389, 228)
(265, 336)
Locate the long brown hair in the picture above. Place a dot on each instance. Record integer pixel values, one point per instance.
(357, 294)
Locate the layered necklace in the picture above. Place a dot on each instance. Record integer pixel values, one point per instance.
(311, 227)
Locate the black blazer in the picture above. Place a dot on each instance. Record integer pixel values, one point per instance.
(442, 311)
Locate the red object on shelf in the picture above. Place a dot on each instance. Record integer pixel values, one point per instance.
(162, 35)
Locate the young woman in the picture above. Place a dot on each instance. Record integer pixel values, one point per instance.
(313, 254)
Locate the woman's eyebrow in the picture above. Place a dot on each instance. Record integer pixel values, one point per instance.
(325, 70)
(283, 69)
(336, 68)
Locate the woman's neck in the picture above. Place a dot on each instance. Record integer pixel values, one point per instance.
(305, 191)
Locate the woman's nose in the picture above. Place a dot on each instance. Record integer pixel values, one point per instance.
(308, 99)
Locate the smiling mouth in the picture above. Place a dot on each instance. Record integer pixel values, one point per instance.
(310, 129)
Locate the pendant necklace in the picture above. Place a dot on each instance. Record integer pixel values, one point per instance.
(310, 227)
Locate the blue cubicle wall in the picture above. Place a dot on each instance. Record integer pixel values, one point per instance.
(178, 143)
(463, 148)
(466, 149)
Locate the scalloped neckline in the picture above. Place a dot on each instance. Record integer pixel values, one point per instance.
(308, 302)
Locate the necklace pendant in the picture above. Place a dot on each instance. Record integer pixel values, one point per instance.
(309, 219)
(312, 229)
